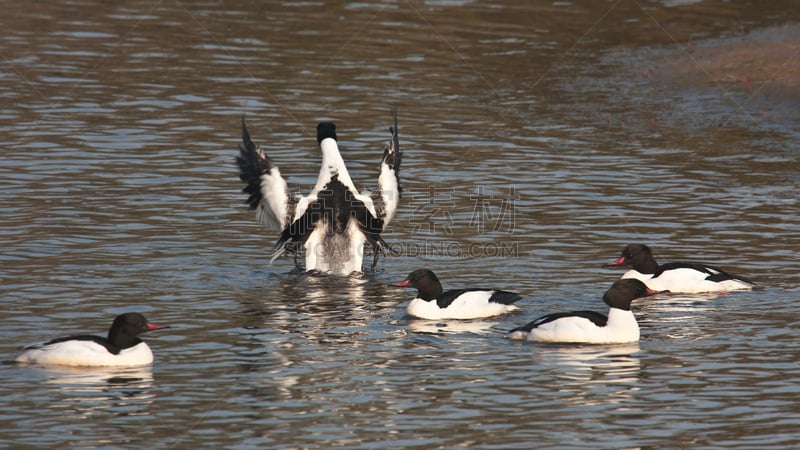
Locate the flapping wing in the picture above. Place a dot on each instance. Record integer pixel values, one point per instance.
(367, 223)
(268, 192)
(386, 196)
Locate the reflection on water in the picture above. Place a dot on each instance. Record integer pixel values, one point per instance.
(478, 327)
(682, 316)
(589, 376)
(97, 378)
(592, 363)
(88, 393)
(330, 292)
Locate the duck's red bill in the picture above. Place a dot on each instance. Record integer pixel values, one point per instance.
(654, 292)
(620, 261)
(404, 283)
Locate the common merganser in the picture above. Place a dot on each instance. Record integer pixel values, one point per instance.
(334, 221)
(434, 304)
(677, 277)
(591, 327)
(121, 348)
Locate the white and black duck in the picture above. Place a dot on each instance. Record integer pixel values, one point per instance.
(434, 303)
(334, 221)
(677, 277)
(122, 347)
(591, 327)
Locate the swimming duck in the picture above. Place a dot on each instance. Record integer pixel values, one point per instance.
(121, 348)
(677, 277)
(591, 327)
(433, 303)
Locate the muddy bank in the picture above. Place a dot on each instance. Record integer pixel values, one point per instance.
(764, 58)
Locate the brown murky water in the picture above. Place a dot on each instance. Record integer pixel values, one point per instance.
(540, 137)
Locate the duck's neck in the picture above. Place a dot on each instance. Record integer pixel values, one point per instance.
(333, 164)
(431, 290)
(647, 264)
(620, 318)
(122, 340)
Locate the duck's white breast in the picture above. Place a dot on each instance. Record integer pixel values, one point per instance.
(339, 254)
(469, 305)
(86, 353)
(621, 327)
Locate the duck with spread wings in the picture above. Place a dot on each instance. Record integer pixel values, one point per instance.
(334, 221)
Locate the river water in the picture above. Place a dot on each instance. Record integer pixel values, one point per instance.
(539, 139)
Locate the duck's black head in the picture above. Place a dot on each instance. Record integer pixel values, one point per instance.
(326, 130)
(426, 283)
(638, 256)
(623, 292)
(127, 327)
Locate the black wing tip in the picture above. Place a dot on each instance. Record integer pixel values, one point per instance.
(392, 154)
(247, 147)
(252, 165)
(725, 276)
(252, 161)
(524, 328)
(505, 297)
(393, 128)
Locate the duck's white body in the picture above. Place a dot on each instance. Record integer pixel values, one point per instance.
(339, 254)
(80, 353)
(433, 303)
(620, 328)
(122, 347)
(590, 327)
(676, 277)
(469, 305)
(687, 281)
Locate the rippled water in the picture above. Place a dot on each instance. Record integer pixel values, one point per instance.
(539, 137)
